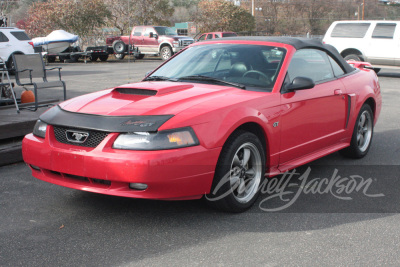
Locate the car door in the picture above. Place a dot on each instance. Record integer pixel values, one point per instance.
(5, 47)
(382, 46)
(137, 38)
(312, 119)
(150, 42)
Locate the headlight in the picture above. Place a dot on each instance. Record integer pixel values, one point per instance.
(40, 129)
(169, 139)
(175, 43)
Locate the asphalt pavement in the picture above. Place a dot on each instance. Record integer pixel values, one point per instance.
(42, 224)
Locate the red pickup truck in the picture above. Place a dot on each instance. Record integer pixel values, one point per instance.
(149, 40)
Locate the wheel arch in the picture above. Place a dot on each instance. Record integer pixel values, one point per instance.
(164, 44)
(349, 51)
(259, 131)
(371, 102)
(15, 53)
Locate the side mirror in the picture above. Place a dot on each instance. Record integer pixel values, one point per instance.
(300, 83)
(153, 35)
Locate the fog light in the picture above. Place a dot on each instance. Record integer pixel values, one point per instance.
(36, 168)
(138, 186)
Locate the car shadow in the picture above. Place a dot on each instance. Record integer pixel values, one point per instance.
(92, 229)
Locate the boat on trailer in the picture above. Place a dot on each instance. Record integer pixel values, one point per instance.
(56, 42)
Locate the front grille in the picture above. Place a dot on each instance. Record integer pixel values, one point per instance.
(186, 42)
(93, 140)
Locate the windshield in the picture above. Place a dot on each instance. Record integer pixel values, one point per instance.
(251, 67)
(165, 31)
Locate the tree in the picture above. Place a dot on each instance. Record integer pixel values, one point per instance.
(126, 13)
(270, 10)
(184, 10)
(121, 12)
(220, 15)
(79, 17)
(152, 12)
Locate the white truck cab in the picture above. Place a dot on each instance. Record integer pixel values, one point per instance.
(374, 41)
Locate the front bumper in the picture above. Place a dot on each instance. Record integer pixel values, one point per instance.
(184, 173)
(177, 49)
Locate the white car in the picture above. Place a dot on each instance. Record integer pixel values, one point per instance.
(374, 41)
(14, 41)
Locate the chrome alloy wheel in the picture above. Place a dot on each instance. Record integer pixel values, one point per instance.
(166, 53)
(364, 131)
(246, 172)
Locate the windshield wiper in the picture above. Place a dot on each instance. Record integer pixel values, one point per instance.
(159, 78)
(211, 79)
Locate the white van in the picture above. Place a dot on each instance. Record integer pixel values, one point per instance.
(374, 41)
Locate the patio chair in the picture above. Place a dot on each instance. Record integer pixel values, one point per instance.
(7, 93)
(30, 70)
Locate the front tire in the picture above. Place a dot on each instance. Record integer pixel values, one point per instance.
(362, 134)
(239, 173)
(166, 52)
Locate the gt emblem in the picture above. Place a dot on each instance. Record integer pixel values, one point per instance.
(275, 124)
(77, 137)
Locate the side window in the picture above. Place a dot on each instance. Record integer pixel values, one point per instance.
(148, 31)
(3, 38)
(310, 63)
(209, 36)
(351, 30)
(384, 30)
(337, 70)
(138, 31)
(21, 36)
(202, 37)
(217, 35)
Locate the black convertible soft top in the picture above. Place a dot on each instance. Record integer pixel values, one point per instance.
(299, 43)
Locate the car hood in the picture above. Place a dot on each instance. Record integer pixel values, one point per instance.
(148, 98)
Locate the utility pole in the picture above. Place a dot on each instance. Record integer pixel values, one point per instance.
(363, 9)
(252, 8)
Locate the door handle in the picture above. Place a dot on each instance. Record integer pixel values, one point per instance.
(338, 92)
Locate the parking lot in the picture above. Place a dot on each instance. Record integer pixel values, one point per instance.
(42, 224)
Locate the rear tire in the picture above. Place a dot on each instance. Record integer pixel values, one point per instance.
(119, 47)
(362, 134)
(51, 59)
(73, 58)
(353, 57)
(239, 173)
(93, 58)
(103, 57)
(10, 65)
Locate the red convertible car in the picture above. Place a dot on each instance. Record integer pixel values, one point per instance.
(214, 121)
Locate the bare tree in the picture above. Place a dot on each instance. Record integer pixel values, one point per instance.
(121, 13)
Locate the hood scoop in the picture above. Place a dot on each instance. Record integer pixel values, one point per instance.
(136, 91)
(151, 88)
